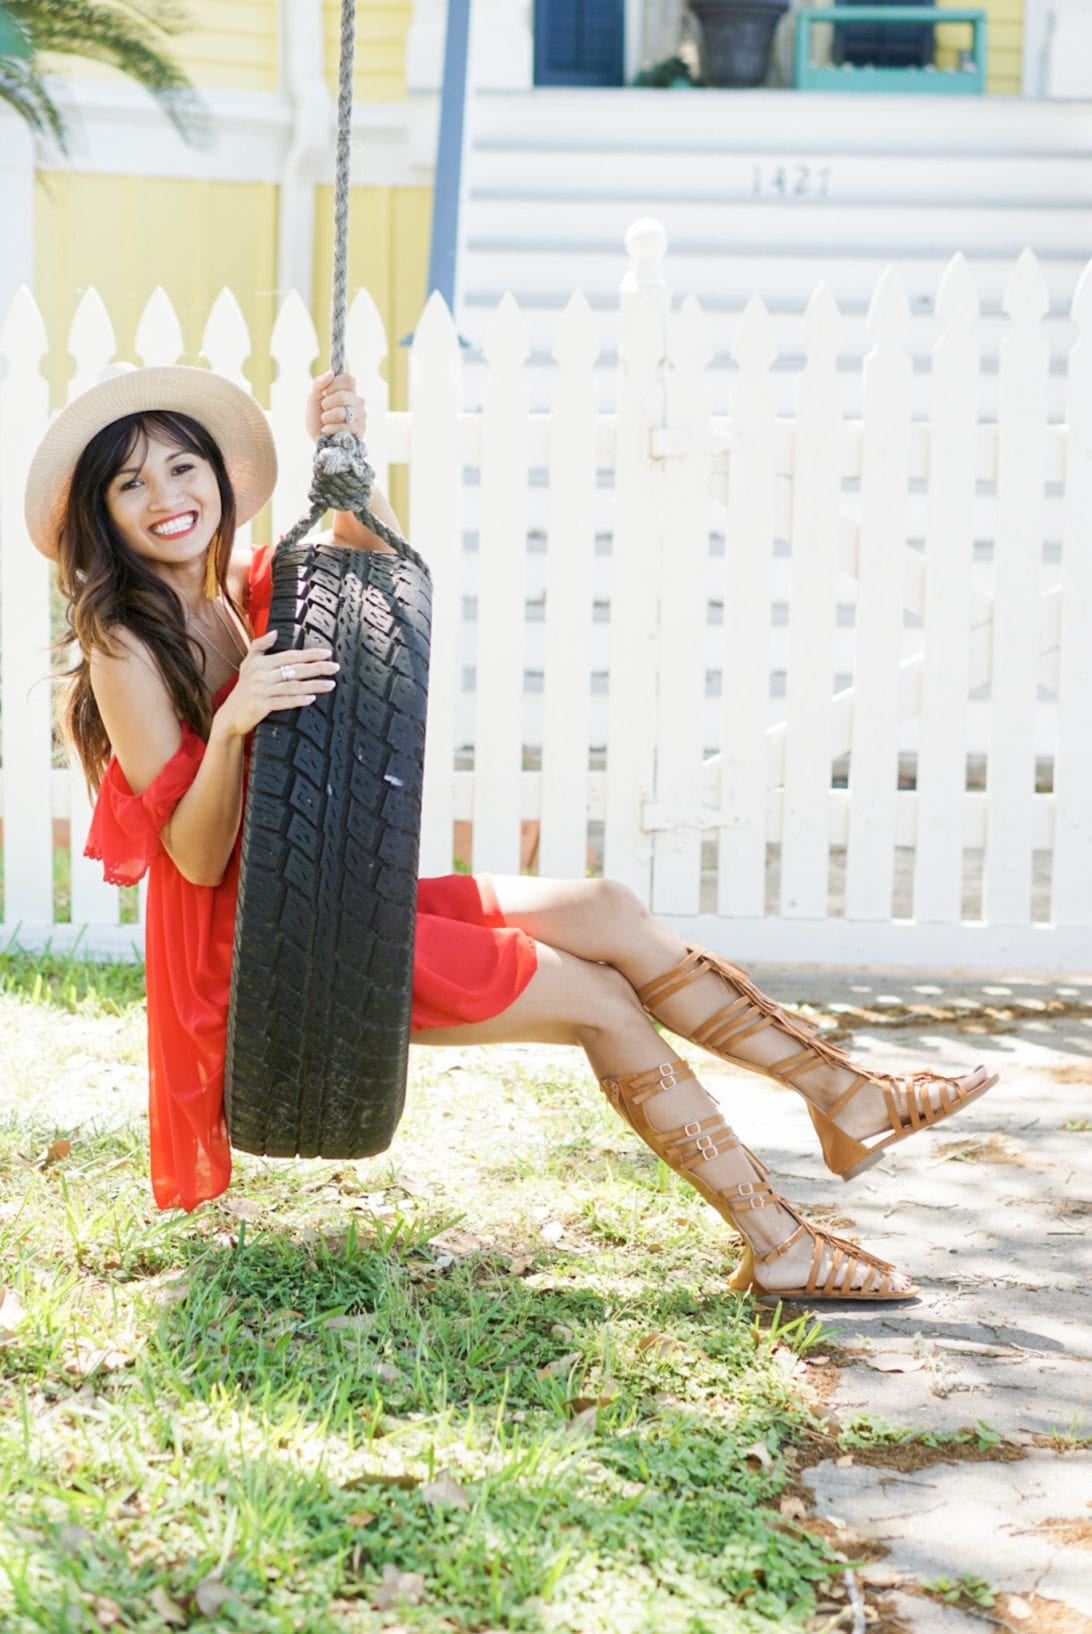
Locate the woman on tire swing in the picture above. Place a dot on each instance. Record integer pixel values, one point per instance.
(136, 491)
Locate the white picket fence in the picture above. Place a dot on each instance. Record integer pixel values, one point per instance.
(818, 689)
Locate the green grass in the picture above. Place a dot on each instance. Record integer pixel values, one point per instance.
(496, 1369)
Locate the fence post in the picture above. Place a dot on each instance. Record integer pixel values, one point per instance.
(92, 343)
(949, 539)
(1071, 884)
(680, 660)
(1014, 675)
(24, 633)
(435, 491)
(874, 749)
(635, 558)
(502, 562)
(745, 665)
(566, 703)
(809, 683)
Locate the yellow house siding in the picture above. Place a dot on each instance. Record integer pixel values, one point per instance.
(126, 234)
(1005, 43)
(388, 255)
(231, 44)
(379, 67)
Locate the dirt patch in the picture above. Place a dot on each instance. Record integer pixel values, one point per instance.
(1070, 1533)
(1047, 1616)
(908, 1456)
(982, 1149)
(1079, 1072)
(836, 1026)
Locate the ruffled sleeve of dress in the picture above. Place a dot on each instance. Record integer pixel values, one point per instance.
(125, 827)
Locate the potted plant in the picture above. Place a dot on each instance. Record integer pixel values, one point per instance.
(737, 35)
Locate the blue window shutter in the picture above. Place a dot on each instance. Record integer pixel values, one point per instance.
(579, 42)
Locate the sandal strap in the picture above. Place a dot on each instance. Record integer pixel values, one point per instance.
(689, 1146)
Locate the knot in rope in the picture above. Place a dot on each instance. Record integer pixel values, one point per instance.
(342, 478)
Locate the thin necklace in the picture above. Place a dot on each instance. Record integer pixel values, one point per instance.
(204, 636)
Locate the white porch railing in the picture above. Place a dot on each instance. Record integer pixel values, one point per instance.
(818, 689)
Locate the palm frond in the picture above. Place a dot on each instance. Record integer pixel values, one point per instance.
(123, 35)
(27, 95)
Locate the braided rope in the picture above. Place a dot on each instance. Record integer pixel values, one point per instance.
(342, 478)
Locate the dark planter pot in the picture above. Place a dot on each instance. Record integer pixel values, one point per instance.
(738, 35)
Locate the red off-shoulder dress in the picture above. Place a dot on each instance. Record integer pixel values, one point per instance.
(468, 963)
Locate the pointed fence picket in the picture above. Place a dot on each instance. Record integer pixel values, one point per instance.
(946, 605)
(435, 484)
(745, 667)
(679, 721)
(1014, 679)
(502, 564)
(873, 756)
(891, 603)
(815, 532)
(635, 561)
(24, 630)
(1072, 870)
(567, 646)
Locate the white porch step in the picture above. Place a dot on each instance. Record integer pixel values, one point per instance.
(785, 122)
(643, 176)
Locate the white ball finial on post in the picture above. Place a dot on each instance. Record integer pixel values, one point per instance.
(646, 245)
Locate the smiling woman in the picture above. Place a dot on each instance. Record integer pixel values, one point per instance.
(135, 491)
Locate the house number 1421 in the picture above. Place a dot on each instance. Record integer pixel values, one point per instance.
(794, 181)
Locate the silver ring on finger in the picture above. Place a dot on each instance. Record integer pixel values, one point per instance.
(348, 416)
(288, 672)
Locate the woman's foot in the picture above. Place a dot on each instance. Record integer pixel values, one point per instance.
(857, 1114)
(786, 1255)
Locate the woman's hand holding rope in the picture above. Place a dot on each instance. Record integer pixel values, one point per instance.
(334, 404)
(270, 681)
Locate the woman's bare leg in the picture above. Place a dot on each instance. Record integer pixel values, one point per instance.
(572, 1000)
(598, 919)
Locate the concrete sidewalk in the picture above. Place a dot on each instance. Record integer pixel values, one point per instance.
(990, 1214)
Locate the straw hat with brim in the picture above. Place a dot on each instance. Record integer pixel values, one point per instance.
(228, 414)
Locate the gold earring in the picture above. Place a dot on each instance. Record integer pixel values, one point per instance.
(212, 582)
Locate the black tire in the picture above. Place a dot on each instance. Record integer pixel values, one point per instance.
(322, 974)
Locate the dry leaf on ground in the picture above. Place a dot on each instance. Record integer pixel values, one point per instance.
(445, 1490)
(793, 1509)
(359, 1323)
(11, 1311)
(166, 1608)
(761, 1452)
(59, 1150)
(108, 1614)
(396, 1585)
(563, 1364)
(212, 1593)
(583, 1423)
(90, 1358)
(660, 1344)
(895, 1364)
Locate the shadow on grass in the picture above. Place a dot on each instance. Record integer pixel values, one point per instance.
(593, 1468)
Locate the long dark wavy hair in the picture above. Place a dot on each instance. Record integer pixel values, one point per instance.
(107, 586)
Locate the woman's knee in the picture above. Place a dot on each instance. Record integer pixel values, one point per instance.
(616, 903)
(609, 1005)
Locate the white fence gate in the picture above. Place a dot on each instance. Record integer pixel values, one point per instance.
(818, 689)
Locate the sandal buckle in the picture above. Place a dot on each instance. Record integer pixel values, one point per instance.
(668, 1079)
(706, 1146)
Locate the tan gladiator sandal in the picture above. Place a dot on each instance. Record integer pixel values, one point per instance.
(907, 1099)
(690, 1146)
